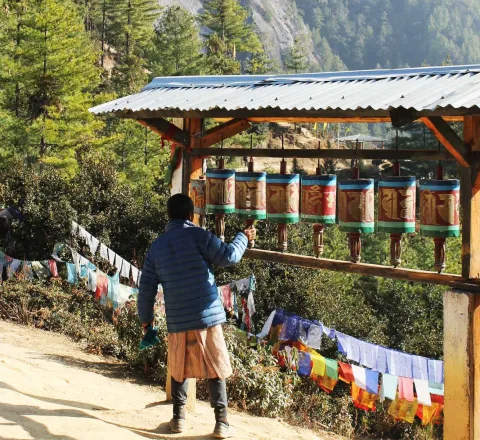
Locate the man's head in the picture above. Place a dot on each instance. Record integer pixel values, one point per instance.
(180, 207)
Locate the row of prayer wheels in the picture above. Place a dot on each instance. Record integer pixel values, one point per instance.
(276, 197)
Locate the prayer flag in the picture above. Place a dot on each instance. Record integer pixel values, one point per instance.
(389, 387)
(267, 326)
(134, 274)
(360, 375)
(372, 381)
(420, 368)
(342, 343)
(125, 269)
(346, 372)
(314, 338)
(353, 349)
(381, 362)
(405, 389)
(304, 364)
(111, 256)
(103, 251)
(331, 368)
(435, 371)
(423, 395)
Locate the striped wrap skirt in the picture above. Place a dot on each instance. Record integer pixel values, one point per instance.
(198, 354)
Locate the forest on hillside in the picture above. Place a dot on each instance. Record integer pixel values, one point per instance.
(58, 162)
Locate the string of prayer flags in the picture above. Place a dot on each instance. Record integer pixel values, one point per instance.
(372, 356)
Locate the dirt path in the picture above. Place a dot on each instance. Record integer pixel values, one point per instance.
(51, 389)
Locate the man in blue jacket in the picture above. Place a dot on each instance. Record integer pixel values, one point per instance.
(181, 260)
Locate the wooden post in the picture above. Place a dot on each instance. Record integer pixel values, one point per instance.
(462, 311)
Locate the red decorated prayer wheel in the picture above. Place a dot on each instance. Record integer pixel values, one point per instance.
(220, 197)
(198, 194)
(356, 212)
(283, 203)
(396, 211)
(439, 214)
(319, 201)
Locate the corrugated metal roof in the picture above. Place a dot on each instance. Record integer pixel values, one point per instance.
(452, 90)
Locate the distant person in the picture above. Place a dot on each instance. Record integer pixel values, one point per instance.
(181, 259)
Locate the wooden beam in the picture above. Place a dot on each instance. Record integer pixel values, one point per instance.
(371, 120)
(269, 114)
(167, 130)
(225, 131)
(449, 139)
(419, 276)
(331, 153)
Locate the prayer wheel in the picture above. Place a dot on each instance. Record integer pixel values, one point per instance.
(356, 212)
(396, 211)
(220, 197)
(439, 214)
(198, 192)
(319, 197)
(251, 197)
(283, 200)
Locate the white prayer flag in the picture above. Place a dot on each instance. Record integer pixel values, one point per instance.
(93, 244)
(134, 274)
(111, 256)
(125, 269)
(360, 376)
(267, 326)
(74, 227)
(103, 251)
(118, 262)
(423, 394)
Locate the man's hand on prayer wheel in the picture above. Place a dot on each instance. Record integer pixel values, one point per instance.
(251, 233)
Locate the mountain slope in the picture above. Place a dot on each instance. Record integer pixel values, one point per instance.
(367, 34)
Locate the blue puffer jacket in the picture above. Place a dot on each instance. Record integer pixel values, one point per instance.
(181, 260)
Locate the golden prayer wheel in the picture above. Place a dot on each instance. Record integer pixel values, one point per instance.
(220, 197)
(396, 211)
(319, 197)
(356, 212)
(283, 203)
(198, 194)
(439, 214)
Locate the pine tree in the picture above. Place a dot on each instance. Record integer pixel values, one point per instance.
(130, 33)
(229, 20)
(296, 57)
(50, 85)
(217, 61)
(176, 45)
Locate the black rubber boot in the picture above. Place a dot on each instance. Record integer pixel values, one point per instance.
(177, 424)
(222, 428)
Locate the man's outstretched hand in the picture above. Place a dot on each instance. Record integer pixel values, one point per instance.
(251, 234)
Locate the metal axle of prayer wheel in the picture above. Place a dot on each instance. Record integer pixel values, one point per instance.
(283, 202)
(220, 196)
(439, 213)
(396, 210)
(319, 195)
(356, 211)
(250, 197)
(198, 194)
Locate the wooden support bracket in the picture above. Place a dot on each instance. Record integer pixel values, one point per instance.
(225, 131)
(419, 276)
(449, 139)
(167, 130)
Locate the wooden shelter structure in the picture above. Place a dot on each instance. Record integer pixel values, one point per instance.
(432, 95)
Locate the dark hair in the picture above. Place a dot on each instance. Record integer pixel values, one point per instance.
(179, 207)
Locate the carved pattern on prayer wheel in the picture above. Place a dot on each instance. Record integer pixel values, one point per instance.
(356, 205)
(251, 195)
(439, 208)
(221, 191)
(319, 199)
(283, 198)
(396, 205)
